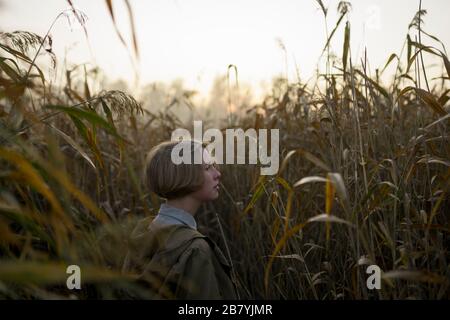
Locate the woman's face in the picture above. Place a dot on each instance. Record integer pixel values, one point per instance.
(210, 188)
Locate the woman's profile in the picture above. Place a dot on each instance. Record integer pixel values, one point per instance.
(168, 253)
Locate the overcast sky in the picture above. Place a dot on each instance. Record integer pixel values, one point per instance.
(197, 39)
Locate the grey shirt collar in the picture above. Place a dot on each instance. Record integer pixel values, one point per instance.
(177, 216)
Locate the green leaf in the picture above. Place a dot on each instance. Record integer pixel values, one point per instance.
(74, 145)
(82, 129)
(409, 48)
(376, 85)
(15, 53)
(332, 33)
(446, 63)
(391, 58)
(322, 6)
(424, 48)
(258, 193)
(421, 47)
(88, 115)
(444, 98)
(107, 111)
(87, 92)
(15, 76)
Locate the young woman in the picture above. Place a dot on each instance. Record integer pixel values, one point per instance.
(169, 253)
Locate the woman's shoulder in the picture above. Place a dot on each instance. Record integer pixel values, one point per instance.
(200, 245)
(180, 237)
(193, 240)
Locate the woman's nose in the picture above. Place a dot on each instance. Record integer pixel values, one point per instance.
(217, 173)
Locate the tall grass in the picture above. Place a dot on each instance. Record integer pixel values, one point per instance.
(364, 180)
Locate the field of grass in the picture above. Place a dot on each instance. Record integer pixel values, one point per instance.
(364, 179)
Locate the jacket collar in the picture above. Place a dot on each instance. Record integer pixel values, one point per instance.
(176, 216)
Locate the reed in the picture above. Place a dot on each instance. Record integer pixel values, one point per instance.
(364, 180)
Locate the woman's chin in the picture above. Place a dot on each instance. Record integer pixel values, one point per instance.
(215, 194)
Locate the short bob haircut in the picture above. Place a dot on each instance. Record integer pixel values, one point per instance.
(169, 180)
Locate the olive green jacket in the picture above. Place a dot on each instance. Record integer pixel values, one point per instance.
(179, 262)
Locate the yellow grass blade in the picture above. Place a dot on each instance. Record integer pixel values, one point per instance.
(427, 98)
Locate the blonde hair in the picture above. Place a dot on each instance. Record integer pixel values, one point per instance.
(169, 180)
